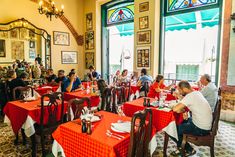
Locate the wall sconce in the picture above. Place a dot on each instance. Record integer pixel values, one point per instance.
(233, 18)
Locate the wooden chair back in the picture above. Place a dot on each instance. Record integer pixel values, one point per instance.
(54, 108)
(76, 106)
(216, 117)
(120, 93)
(127, 91)
(18, 92)
(141, 130)
(146, 88)
(108, 100)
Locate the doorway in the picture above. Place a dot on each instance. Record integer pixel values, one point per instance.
(117, 37)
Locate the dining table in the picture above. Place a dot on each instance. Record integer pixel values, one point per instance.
(70, 141)
(44, 89)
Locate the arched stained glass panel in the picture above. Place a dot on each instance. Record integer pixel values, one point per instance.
(120, 14)
(177, 5)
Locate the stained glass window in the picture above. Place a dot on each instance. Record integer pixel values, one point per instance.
(176, 5)
(120, 14)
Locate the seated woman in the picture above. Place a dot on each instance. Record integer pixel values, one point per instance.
(93, 75)
(157, 87)
(73, 83)
(116, 77)
(124, 77)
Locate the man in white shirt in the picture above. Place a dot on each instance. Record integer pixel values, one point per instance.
(201, 121)
(209, 90)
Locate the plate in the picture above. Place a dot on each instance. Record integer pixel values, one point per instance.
(116, 130)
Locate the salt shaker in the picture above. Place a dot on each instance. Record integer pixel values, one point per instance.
(145, 103)
(89, 131)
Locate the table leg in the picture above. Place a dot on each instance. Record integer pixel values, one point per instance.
(34, 145)
(166, 139)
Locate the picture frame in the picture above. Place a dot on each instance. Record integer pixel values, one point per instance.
(14, 33)
(69, 57)
(143, 57)
(61, 38)
(89, 59)
(89, 40)
(31, 44)
(32, 54)
(89, 22)
(144, 37)
(2, 48)
(144, 6)
(17, 50)
(143, 22)
(23, 33)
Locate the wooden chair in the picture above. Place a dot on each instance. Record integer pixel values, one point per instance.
(207, 140)
(18, 92)
(141, 131)
(55, 111)
(108, 100)
(127, 86)
(120, 93)
(76, 106)
(146, 88)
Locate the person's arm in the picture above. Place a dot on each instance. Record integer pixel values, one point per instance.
(70, 86)
(79, 84)
(179, 108)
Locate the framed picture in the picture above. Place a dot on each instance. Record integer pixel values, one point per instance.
(69, 57)
(144, 6)
(143, 57)
(144, 22)
(89, 21)
(144, 37)
(31, 44)
(3, 34)
(23, 33)
(89, 40)
(14, 33)
(61, 38)
(89, 59)
(17, 50)
(2, 48)
(32, 54)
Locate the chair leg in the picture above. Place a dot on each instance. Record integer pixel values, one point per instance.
(34, 145)
(212, 150)
(23, 137)
(42, 145)
(183, 146)
(166, 139)
(16, 140)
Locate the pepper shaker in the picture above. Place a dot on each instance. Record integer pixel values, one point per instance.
(89, 131)
(84, 128)
(145, 103)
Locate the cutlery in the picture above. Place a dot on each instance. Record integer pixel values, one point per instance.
(109, 135)
(120, 136)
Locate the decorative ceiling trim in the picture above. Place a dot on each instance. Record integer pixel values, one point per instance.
(78, 38)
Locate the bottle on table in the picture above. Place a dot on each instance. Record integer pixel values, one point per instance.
(89, 131)
(84, 128)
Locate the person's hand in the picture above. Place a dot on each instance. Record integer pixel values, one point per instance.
(185, 115)
(158, 90)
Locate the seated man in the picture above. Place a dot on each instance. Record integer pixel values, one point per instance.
(209, 90)
(73, 83)
(50, 78)
(93, 75)
(144, 78)
(201, 121)
(61, 77)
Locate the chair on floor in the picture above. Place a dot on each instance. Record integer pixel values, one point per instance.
(120, 93)
(141, 130)
(76, 106)
(146, 88)
(207, 140)
(52, 113)
(19, 92)
(108, 100)
(127, 86)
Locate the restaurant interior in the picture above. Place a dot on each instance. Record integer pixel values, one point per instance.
(117, 78)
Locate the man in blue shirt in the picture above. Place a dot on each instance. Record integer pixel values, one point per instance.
(142, 79)
(73, 83)
(93, 75)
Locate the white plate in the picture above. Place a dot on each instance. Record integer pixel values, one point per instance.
(116, 130)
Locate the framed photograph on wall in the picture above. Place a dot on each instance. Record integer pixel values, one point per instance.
(17, 50)
(89, 40)
(31, 44)
(69, 57)
(14, 33)
(144, 37)
(89, 59)
(2, 48)
(143, 57)
(144, 6)
(89, 21)
(61, 38)
(143, 22)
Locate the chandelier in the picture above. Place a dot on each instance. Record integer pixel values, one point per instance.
(50, 10)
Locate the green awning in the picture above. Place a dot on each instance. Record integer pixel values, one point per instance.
(126, 29)
(204, 18)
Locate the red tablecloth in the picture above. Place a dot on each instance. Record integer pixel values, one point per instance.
(160, 118)
(95, 100)
(46, 89)
(134, 89)
(98, 144)
(18, 111)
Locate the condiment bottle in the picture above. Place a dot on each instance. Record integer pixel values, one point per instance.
(89, 131)
(148, 103)
(145, 103)
(84, 128)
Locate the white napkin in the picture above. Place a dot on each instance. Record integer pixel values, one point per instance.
(30, 98)
(47, 87)
(90, 117)
(166, 109)
(123, 127)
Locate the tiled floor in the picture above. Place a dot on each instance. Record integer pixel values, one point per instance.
(224, 145)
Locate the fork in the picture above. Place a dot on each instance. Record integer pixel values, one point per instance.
(120, 136)
(109, 135)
